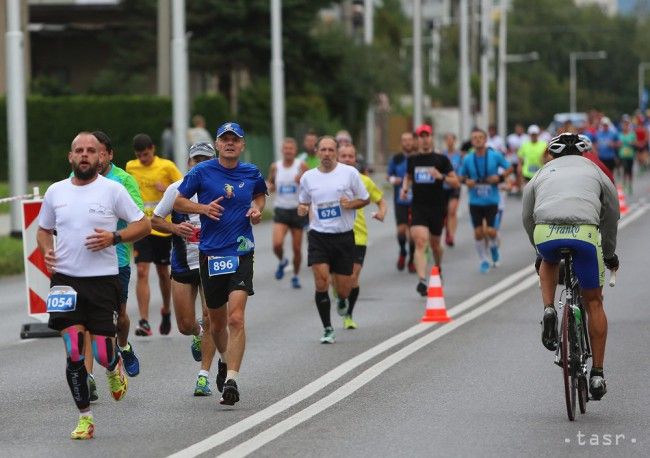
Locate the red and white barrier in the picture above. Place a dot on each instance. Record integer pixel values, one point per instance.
(37, 279)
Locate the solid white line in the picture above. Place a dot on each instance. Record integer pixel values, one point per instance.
(268, 435)
(338, 372)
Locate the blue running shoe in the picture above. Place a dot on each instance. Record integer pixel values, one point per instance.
(279, 274)
(494, 251)
(196, 348)
(202, 387)
(484, 267)
(131, 362)
(295, 283)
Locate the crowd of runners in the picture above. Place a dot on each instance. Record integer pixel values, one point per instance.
(197, 231)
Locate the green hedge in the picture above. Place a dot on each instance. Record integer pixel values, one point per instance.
(52, 123)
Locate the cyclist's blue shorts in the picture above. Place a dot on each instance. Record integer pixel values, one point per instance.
(584, 242)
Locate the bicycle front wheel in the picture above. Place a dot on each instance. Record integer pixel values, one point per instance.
(570, 387)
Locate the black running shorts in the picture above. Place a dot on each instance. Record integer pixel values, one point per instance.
(289, 217)
(191, 277)
(359, 254)
(402, 214)
(153, 248)
(217, 288)
(98, 299)
(483, 212)
(429, 216)
(336, 250)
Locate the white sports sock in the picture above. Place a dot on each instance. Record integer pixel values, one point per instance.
(481, 249)
(200, 334)
(204, 373)
(127, 347)
(88, 413)
(493, 242)
(222, 357)
(232, 375)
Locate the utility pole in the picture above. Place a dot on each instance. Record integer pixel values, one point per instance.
(277, 78)
(501, 77)
(180, 97)
(464, 92)
(417, 63)
(573, 58)
(164, 70)
(486, 39)
(368, 34)
(16, 112)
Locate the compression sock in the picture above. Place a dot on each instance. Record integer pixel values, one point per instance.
(493, 242)
(481, 249)
(352, 299)
(323, 305)
(411, 251)
(77, 376)
(401, 240)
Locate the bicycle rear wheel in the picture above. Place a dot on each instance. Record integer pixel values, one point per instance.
(570, 384)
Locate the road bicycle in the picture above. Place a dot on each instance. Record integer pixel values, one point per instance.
(574, 348)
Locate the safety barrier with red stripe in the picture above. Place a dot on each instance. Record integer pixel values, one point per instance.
(37, 279)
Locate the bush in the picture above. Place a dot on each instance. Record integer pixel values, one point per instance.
(11, 261)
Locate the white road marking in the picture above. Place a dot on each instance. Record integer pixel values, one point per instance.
(275, 431)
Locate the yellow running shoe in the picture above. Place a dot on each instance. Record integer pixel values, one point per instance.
(348, 322)
(117, 381)
(85, 429)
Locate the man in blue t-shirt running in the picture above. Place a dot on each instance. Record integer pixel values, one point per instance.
(231, 197)
(480, 172)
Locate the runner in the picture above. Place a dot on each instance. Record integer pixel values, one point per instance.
(186, 280)
(85, 290)
(284, 177)
(531, 154)
(426, 174)
(395, 175)
(480, 172)
(514, 142)
(131, 362)
(153, 175)
(453, 194)
(333, 192)
(309, 156)
(627, 151)
(607, 142)
(347, 155)
(231, 197)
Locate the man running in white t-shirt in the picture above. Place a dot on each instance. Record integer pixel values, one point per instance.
(333, 192)
(84, 289)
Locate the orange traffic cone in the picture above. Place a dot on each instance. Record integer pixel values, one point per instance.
(621, 200)
(436, 310)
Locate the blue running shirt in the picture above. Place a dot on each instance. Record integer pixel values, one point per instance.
(478, 168)
(232, 235)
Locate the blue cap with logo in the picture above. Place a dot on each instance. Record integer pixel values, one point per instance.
(230, 127)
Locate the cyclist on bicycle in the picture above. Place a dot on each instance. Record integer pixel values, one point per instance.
(571, 203)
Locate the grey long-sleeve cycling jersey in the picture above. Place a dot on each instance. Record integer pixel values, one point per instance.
(572, 190)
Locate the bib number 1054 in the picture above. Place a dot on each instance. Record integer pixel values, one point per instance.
(61, 299)
(222, 265)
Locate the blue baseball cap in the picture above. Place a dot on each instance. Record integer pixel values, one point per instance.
(230, 127)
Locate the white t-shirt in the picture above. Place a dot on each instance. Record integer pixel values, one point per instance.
(286, 186)
(324, 191)
(164, 209)
(75, 212)
(496, 142)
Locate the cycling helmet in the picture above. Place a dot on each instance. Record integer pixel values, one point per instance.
(587, 141)
(566, 144)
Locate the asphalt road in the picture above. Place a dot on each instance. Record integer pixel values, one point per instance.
(479, 385)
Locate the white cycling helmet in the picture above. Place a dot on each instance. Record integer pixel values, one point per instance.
(566, 144)
(587, 141)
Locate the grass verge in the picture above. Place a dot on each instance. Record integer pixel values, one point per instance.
(4, 191)
(11, 261)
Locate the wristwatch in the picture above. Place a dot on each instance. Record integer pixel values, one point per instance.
(117, 238)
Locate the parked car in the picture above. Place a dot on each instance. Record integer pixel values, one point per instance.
(577, 120)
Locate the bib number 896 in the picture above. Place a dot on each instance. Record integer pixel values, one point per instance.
(222, 265)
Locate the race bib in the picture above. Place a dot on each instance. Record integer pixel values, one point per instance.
(288, 189)
(483, 190)
(533, 168)
(329, 210)
(222, 265)
(423, 175)
(61, 299)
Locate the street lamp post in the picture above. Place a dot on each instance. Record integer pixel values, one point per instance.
(642, 68)
(368, 32)
(277, 78)
(505, 59)
(417, 62)
(464, 90)
(573, 58)
(180, 85)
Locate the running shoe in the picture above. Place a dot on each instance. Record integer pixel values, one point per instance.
(449, 240)
(295, 283)
(494, 251)
(166, 323)
(328, 336)
(279, 274)
(484, 267)
(401, 262)
(143, 329)
(131, 362)
(549, 329)
(342, 306)
(196, 348)
(597, 387)
(202, 387)
(348, 322)
(422, 288)
(92, 388)
(117, 382)
(411, 267)
(222, 370)
(85, 428)
(230, 393)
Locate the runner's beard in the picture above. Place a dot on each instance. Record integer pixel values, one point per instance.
(85, 175)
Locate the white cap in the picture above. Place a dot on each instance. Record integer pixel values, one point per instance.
(606, 120)
(533, 129)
